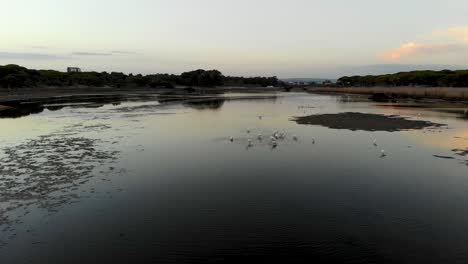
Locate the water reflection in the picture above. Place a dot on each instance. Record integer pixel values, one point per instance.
(212, 104)
(16, 111)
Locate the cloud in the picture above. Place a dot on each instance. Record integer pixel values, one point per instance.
(29, 56)
(459, 34)
(443, 41)
(36, 56)
(111, 53)
(413, 49)
(84, 53)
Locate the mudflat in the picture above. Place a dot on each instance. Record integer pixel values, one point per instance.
(364, 121)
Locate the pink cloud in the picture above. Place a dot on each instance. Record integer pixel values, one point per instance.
(450, 40)
(413, 49)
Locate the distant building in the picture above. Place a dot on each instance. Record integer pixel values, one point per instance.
(73, 69)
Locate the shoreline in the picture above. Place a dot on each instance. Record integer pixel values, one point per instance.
(450, 94)
(27, 94)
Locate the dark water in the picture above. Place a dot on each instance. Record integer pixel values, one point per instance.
(116, 183)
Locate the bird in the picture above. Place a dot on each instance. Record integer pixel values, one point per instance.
(248, 131)
(250, 143)
(259, 137)
(231, 139)
(295, 138)
(375, 142)
(274, 144)
(281, 135)
(383, 153)
(313, 140)
(260, 117)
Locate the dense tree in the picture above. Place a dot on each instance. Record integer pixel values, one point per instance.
(202, 78)
(445, 78)
(14, 76)
(252, 81)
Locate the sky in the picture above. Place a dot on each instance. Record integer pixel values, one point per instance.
(293, 38)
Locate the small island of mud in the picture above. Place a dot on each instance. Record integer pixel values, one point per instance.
(364, 121)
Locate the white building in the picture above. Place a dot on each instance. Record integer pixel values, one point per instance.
(73, 69)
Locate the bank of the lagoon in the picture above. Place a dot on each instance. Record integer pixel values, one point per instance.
(401, 93)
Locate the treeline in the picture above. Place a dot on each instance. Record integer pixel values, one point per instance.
(14, 76)
(445, 78)
(252, 81)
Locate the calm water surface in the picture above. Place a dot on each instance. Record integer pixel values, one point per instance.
(118, 182)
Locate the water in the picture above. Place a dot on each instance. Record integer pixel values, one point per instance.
(162, 181)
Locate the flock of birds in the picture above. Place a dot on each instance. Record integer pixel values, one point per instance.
(277, 136)
(274, 138)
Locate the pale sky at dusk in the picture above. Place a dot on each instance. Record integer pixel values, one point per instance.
(294, 38)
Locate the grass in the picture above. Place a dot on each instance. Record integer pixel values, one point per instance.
(447, 93)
